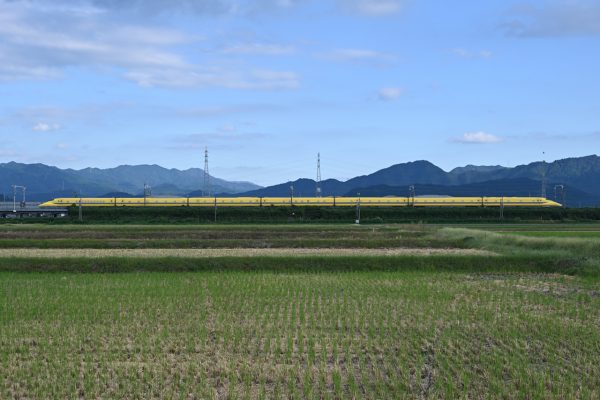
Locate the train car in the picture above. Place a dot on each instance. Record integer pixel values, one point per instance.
(226, 201)
(303, 202)
(297, 201)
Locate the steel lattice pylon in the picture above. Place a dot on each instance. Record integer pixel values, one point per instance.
(206, 185)
(318, 191)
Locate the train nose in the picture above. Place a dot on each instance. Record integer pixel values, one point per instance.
(550, 203)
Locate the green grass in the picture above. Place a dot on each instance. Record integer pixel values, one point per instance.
(297, 335)
(319, 236)
(551, 228)
(318, 215)
(211, 244)
(234, 236)
(566, 234)
(576, 246)
(522, 324)
(308, 264)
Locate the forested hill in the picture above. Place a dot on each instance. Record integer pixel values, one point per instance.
(580, 176)
(43, 181)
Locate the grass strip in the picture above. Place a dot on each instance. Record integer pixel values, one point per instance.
(471, 264)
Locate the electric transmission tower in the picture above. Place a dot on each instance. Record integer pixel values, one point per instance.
(206, 187)
(147, 192)
(544, 176)
(559, 194)
(318, 189)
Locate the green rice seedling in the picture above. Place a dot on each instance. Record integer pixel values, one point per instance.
(522, 323)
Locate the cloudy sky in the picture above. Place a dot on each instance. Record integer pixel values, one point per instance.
(266, 84)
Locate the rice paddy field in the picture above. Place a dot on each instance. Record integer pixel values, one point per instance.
(300, 311)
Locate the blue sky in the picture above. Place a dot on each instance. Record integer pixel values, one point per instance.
(266, 84)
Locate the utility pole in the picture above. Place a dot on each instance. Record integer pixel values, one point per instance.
(318, 189)
(292, 195)
(502, 208)
(562, 194)
(411, 195)
(358, 210)
(15, 189)
(80, 208)
(206, 187)
(215, 209)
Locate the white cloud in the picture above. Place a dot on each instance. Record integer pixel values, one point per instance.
(471, 54)
(554, 18)
(41, 44)
(212, 77)
(142, 9)
(267, 6)
(269, 79)
(227, 128)
(38, 43)
(217, 111)
(215, 140)
(45, 117)
(360, 56)
(390, 93)
(478, 138)
(356, 54)
(152, 7)
(145, 8)
(262, 49)
(62, 146)
(41, 40)
(198, 7)
(45, 127)
(375, 8)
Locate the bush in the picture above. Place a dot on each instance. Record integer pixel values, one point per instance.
(206, 215)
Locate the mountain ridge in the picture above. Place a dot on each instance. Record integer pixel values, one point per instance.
(580, 175)
(519, 187)
(43, 180)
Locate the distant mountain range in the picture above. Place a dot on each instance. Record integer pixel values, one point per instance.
(580, 176)
(519, 187)
(44, 182)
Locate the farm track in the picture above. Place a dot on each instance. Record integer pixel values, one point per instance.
(248, 252)
(197, 234)
(208, 234)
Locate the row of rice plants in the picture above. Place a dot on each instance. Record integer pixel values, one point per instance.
(289, 335)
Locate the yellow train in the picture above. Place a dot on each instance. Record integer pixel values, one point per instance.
(303, 201)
